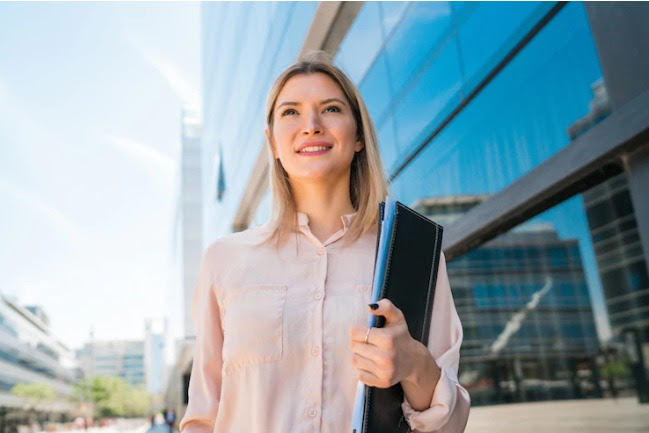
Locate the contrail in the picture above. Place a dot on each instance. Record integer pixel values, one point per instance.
(143, 153)
(515, 322)
(169, 72)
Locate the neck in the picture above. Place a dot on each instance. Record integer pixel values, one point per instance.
(324, 203)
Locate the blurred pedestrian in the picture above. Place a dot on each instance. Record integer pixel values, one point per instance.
(170, 419)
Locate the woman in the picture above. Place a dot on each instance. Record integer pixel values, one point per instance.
(279, 309)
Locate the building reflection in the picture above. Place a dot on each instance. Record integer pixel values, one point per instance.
(529, 329)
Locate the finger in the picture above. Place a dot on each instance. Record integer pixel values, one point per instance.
(358, 333)
(368, 378)
(377, 336)
(369, 351)
(363, 363)
(388, 310)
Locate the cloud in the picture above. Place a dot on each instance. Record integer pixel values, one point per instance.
(170, 72)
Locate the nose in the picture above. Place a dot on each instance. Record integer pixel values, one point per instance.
(312, 123)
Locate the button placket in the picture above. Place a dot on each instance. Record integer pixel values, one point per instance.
(319, 295)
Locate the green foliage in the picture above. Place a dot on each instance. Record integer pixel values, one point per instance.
(616, 369)
(113, 396)
(36, 392)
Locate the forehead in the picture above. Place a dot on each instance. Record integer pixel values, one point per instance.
(317, 86)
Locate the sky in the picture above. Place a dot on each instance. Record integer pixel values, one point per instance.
(90, 103)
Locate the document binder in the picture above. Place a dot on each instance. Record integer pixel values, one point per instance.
(408, 251)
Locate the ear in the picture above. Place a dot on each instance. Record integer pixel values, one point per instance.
(272, 144)
(358, 146)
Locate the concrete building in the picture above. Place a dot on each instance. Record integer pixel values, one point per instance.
(615, 236)
(30, 353)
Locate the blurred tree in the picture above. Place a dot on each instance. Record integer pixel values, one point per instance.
(113, 397)
(616, 369)
(34, 393)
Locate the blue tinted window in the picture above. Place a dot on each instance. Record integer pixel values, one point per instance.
(517, 121)
(362, 42)
(432, 96)
(491, 29)
(387, 142)
(375, 89)
(391, 14)
(419, 33)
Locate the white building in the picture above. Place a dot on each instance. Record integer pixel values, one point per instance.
(29, 353)
(190, 210)
(154, 354)
(119, 358)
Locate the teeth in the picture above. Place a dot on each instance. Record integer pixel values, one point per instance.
(313, 149)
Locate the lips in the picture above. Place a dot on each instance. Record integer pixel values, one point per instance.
(314, 147)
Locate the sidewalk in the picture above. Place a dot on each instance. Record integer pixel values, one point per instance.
(624, 415)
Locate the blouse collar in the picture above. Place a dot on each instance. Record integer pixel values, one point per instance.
(303, 219)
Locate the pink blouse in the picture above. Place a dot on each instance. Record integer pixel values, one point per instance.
(272, 334)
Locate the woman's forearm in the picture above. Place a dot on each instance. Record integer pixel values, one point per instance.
(420, 384)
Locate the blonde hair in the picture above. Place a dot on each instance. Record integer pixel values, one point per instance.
(367, 184)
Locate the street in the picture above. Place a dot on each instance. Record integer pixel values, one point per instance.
(623, 415)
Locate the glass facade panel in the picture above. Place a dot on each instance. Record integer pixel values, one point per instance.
(391, 15)
(531, 299)
(238, 70)
(487, 30)
(534, 301)
(362, 42)
(517, 121)
(427, 23)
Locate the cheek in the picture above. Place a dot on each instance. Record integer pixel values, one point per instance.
(345, 131)
(283, 140)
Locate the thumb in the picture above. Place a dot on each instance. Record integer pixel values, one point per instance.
(387, 309)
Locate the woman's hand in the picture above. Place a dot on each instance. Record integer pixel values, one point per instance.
(390, 355)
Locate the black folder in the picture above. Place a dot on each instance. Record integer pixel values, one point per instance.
(409, 282)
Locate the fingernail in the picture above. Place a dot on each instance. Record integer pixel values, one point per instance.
(374, 306)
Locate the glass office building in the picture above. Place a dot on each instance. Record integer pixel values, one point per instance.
(496, 100)
(529, 331)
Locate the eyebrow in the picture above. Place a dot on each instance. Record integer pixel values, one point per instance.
(326, 101)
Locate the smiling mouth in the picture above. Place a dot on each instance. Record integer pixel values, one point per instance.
(314, 150)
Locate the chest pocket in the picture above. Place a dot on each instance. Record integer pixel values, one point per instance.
(253, 326)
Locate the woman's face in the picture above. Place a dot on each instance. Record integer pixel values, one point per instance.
(314, 131)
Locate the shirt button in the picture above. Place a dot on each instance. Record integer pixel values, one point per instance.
(317, 295)
(313, 412)
(315, 351)
(321, 251)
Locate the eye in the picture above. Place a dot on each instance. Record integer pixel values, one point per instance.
(288, 111)
(332, 109)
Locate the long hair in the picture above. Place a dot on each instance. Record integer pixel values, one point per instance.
(367, 184)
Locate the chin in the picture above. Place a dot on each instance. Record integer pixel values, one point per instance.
(316, 175)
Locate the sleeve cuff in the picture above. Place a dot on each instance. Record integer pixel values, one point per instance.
(441, 407)
(188, 425)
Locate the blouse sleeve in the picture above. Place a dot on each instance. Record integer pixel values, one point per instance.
(449, 408)
(205, 381)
